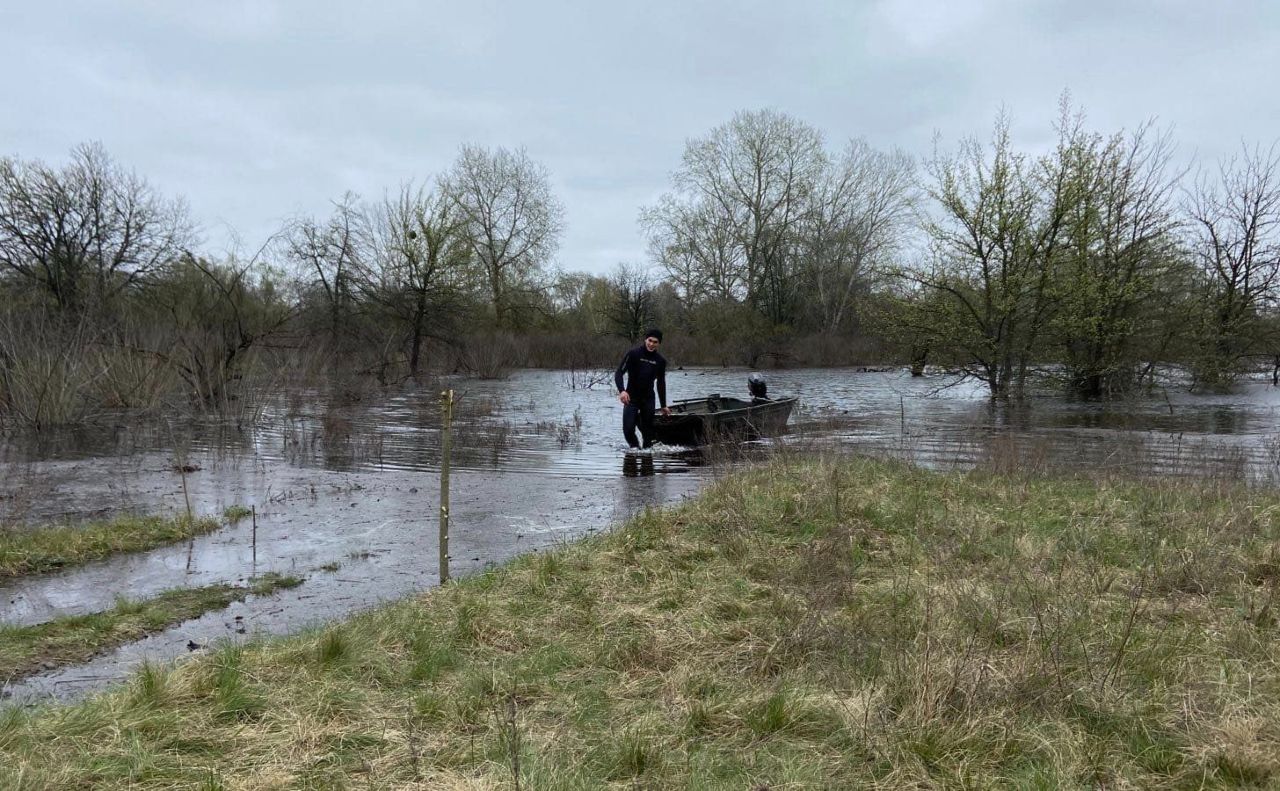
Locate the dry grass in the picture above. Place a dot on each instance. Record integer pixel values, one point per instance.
(817, 624)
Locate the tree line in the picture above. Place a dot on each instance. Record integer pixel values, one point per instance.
(1097, 265)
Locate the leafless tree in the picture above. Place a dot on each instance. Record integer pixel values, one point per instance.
(860, 212)
(418, 263)
(513, 219)
(631, 306)
(754, 177)
(329, 251)
(1236, 220)
(697, 247)
(87, 232)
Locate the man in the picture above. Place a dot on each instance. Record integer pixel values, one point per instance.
(644, 368)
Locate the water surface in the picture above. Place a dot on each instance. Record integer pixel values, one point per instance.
(346, 486)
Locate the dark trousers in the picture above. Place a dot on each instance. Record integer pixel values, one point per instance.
(638, 413)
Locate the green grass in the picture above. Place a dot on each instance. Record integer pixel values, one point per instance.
(234, 513)
(812, 624)
(271, 582)
(32, 551)
(25, 650)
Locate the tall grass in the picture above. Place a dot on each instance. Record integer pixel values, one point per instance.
(56, 373)
(814, 624)
(47, 372)
(133, 377)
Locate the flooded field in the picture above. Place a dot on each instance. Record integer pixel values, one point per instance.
(345, 486)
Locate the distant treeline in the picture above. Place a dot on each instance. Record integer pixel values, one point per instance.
(1096, 264)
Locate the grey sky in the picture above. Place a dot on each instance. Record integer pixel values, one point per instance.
(258, 111)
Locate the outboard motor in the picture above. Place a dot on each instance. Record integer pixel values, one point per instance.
(757, 386)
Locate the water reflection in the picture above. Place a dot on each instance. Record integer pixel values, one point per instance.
(636, 465)
(553, 430)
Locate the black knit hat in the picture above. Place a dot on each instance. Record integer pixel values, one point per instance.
(654, 333)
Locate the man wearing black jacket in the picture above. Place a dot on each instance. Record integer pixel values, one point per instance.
(644, 368)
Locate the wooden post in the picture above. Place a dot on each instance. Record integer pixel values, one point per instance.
(253, 509)
(182, 470)
(446, 448)
(191, 545)
(180, 461)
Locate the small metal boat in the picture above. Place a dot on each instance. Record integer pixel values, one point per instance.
(698, 421)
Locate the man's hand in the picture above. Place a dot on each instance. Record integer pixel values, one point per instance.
(624, 397)
(666, 410)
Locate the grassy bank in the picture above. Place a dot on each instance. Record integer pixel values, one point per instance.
(25, 650)
(36, 550)
(814, 625)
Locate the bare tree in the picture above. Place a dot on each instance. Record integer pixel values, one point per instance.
(418, 265)
(755, 177)
(698, 248)
(859, 214)
(87, 232)
(513, 220)
(631, 306)
(329, 251)
(1236, 222)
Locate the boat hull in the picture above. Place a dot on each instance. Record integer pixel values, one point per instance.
(701, 421)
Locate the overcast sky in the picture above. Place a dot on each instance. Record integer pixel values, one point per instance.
(258, 111)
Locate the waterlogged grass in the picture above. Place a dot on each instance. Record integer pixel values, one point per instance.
(25, 650)
(237, 512)
(47, 549)
(266, 584)
(808, 625)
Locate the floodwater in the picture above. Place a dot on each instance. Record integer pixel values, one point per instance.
(345, 486)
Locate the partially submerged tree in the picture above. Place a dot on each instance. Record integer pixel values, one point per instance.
(219, 314)
(1235, 220)
(1118, 257)
(993, 247)
(416, 271)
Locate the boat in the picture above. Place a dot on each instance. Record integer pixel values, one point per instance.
(699, 421)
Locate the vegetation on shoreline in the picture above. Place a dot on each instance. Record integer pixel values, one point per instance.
(1092, 265)
(809, 624)
(32, 551)
(25, 650)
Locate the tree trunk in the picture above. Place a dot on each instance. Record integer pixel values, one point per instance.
(416, 347)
